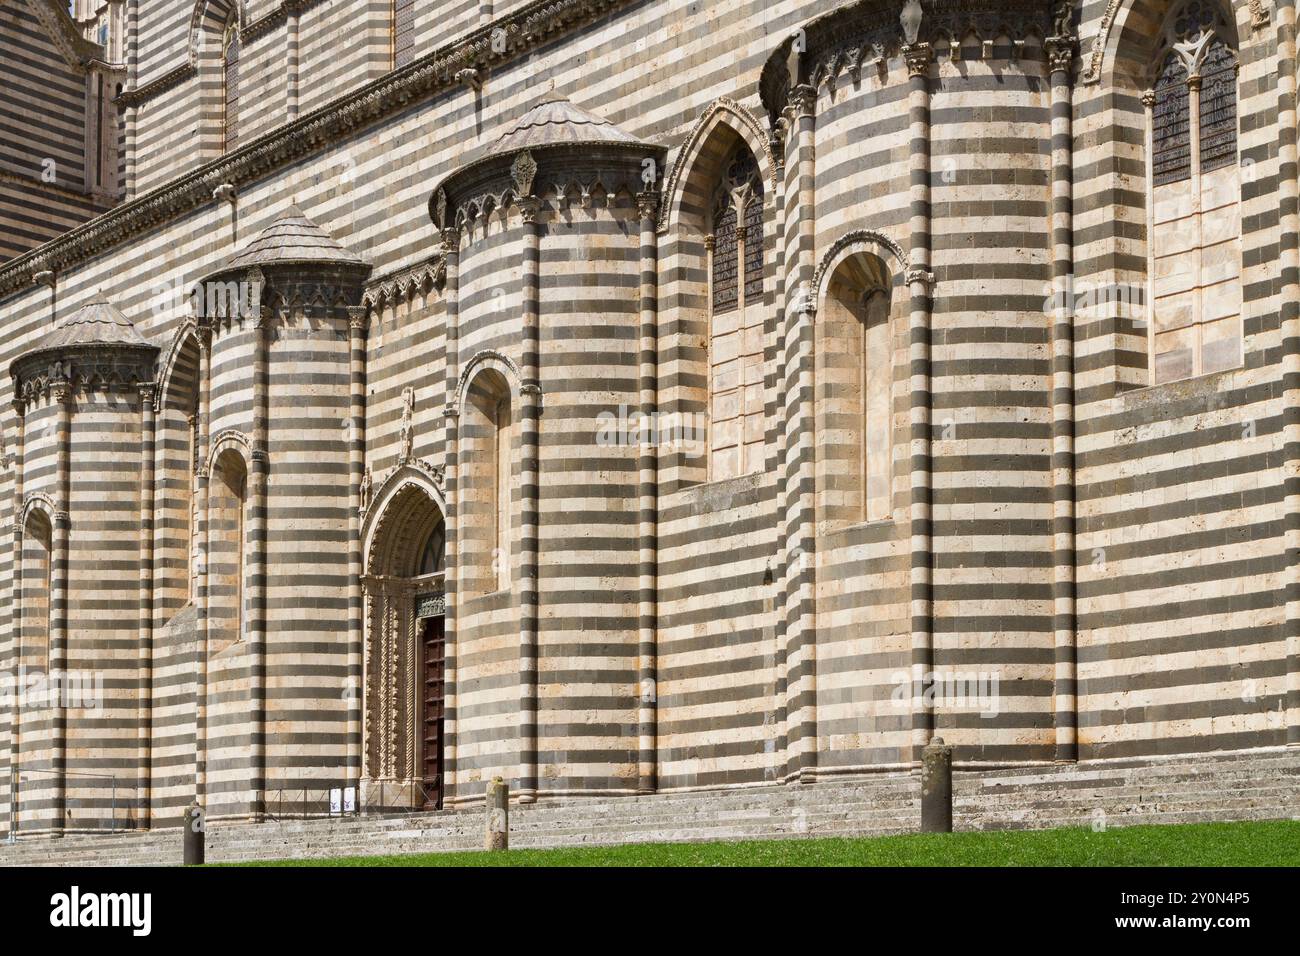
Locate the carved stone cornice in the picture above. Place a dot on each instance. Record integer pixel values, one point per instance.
(403, 283)
(525, 30)
(865, 33)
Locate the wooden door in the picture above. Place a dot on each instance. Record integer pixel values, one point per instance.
(433, 699)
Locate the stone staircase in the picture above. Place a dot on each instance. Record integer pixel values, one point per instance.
(1257, 785)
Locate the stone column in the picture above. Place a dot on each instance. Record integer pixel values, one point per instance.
(133, 111)
(293, 14)
(61, 395)
(648, 502)
(358, 326)
(451, 566)
(918, 58)
(255, 610)
(529, 481)
(1060, 51)
(144, 680)
(800, 453)
(1289, 265)
(16, 609)
(202, 481)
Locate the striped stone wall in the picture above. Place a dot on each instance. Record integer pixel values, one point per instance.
(783, 630)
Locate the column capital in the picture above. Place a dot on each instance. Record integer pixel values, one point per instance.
(529, 207)
(1149, 99)
(449, 239)
(358, 319)
(803, 100)
(647, 205)
(918, 57)
(1060, 53)
(61, 391)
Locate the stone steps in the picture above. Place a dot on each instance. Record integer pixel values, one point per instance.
(1196, 789)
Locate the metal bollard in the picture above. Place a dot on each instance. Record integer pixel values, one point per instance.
(194, 833)
(936, 787)
(498, 815)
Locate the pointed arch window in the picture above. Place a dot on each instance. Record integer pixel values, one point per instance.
(1194, 198)
(736, 272)
(403, 32)
(230, 80)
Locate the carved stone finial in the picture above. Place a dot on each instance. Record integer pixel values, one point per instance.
(523, 171)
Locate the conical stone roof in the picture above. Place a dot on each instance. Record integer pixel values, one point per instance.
(99, 323)
(292, 239)
(557, 122)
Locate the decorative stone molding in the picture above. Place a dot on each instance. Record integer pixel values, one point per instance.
(403, 284)
(487, 358)
(744, 123)
(918, 59)
(1060, 53)
(415, 473)
(864, 240)
(76, 50)
(856, 34)
(526, 29)
(226, 439)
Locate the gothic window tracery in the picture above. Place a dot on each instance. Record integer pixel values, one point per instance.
(1194, 197)
(230, 80)
(403, 32)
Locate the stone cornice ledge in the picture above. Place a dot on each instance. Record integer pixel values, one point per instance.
(524, 31)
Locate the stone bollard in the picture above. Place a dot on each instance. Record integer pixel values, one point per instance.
(498, 815)
(936, 787)
(194, 834)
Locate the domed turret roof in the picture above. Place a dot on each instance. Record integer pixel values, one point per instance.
(557, 122)
(292, 239)
(99, 323)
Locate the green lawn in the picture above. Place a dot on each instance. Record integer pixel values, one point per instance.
(1269, 843)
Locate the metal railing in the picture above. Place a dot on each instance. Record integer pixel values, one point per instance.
(71, 803)
(380, 799)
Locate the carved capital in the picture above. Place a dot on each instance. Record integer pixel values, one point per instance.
(528, 209)
(1060, 53)
(923, 276)
(803, 101)
(61, 391)
(358, 319)
(918, 57)
(647, 205)
(1149, 99)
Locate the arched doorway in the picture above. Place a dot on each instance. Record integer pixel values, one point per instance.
(405, 657)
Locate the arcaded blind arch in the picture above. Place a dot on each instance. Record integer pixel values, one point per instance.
(854, 392)
(735, 338)
(488, 441)
(403, 32)
(227, 546)
(36, 571)
(230, 80)
(1194, 197)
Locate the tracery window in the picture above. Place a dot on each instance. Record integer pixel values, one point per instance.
(736, 271)
(403, 32)
(1194, 198)
(230, 80)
